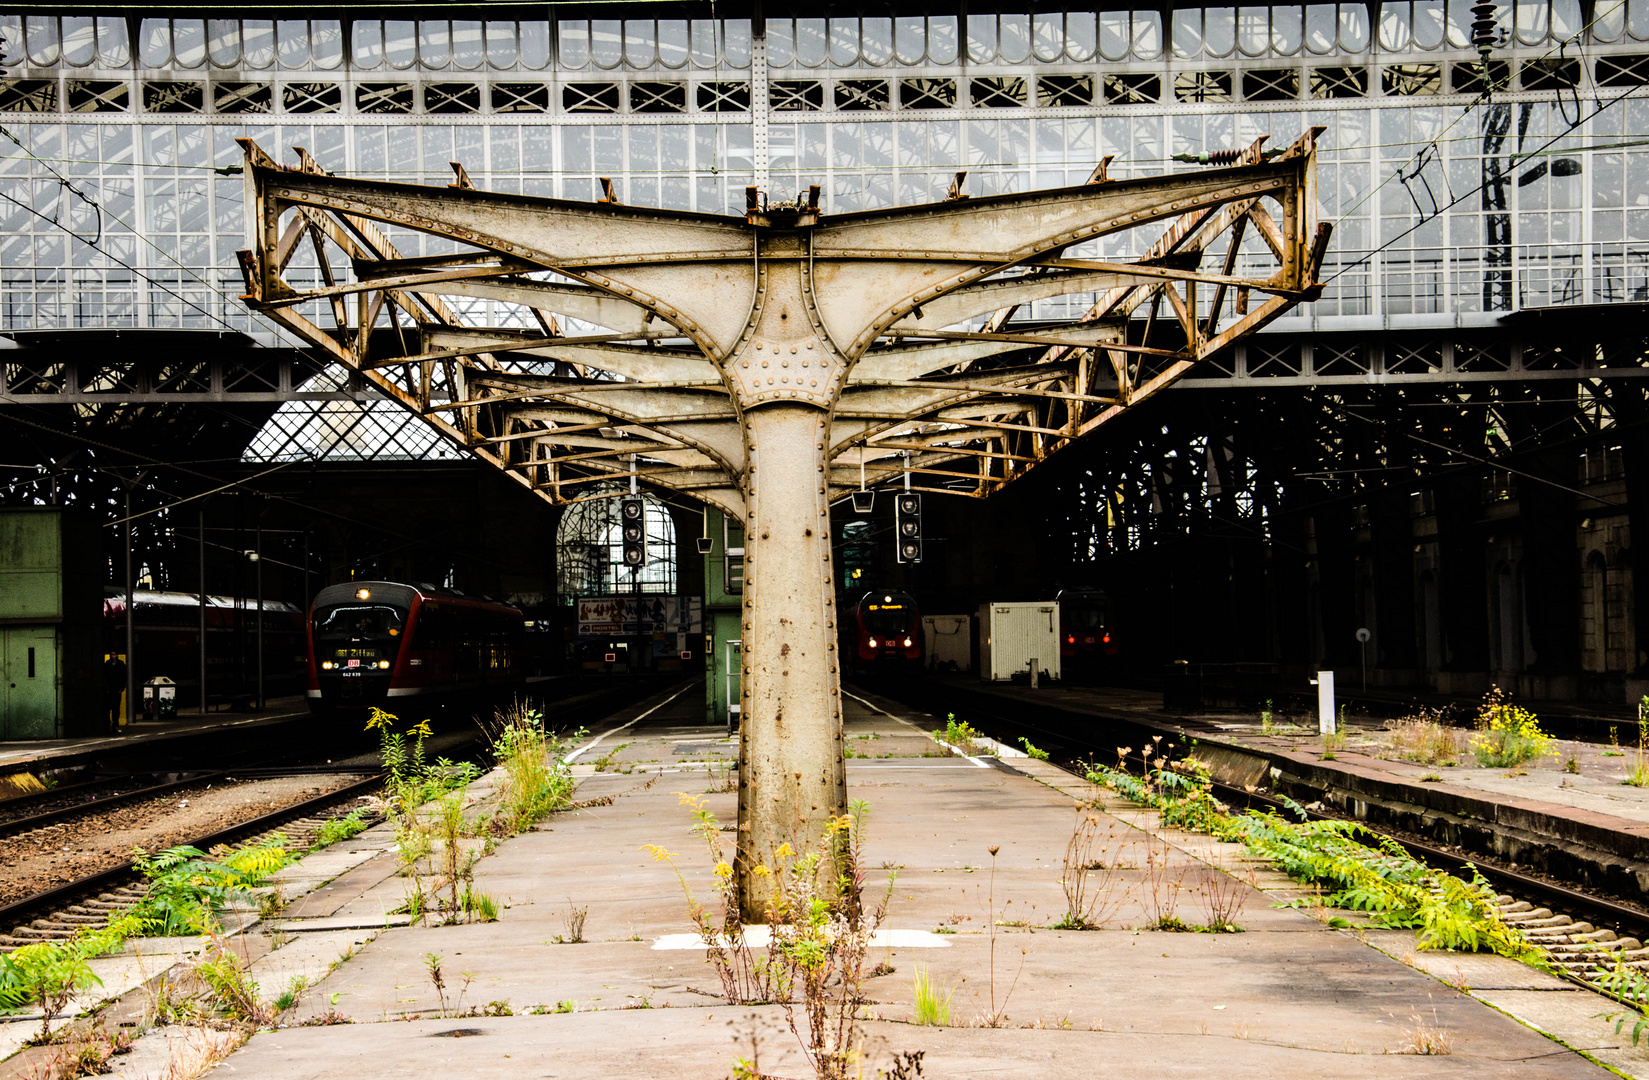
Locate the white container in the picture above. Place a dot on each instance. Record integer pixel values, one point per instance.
(948, 640)
(1011, 635)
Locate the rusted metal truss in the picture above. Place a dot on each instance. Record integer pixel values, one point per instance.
(645, 335)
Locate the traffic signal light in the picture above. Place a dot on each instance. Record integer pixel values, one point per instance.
(632, 516)
(907, 526)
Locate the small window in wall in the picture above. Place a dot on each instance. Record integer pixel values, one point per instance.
(1405, 80)
(1277, 85)
(796, 95)
(863, 94)
(1132, 89)
(1200, 86)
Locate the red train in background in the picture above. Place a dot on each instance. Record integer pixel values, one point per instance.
(1088, 641)
(392, 644)
(888, 629)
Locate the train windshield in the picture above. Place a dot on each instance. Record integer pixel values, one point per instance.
(359, 621)
(887, 619)
(1084, 616)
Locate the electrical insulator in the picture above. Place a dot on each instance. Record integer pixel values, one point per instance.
(1485, 31)
(1220, 157)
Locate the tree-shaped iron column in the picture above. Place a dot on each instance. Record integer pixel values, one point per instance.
(760, 363)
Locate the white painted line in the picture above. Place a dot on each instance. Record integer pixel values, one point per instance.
(570, 758)
(884, 712)
(907, 723)
(757, 937)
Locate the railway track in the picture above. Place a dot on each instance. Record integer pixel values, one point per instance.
(90, 901)
(58, 814)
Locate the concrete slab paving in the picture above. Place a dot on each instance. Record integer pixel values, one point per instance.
(1287, 997)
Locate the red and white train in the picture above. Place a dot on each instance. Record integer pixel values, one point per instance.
(1088, 640)
(888, 628)
(381, 643)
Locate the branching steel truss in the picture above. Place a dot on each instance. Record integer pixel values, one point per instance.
(763, 365)
(919, 380)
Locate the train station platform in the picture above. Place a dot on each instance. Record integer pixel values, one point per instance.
(44, 757)
(1289, 996)
(1571, 813)
(27, 765)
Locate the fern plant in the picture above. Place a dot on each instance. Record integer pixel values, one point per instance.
(1360, 869)
(1632, 988)
(49, 973)
(188, 888)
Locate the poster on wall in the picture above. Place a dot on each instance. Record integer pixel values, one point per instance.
(610, 616)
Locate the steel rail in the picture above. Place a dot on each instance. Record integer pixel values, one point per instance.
(48, 817)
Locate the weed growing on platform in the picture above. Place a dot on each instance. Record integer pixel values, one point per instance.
(230, 992)
(433, 964)
(188, 888)
(537, 778)
(1223, 898)
(819, 933)
(49, 973)
(1613, 749)
(1639, 776)
(1631, 987)
(931, 1001)
(410, 780)
(1163, 881)
(1035, 753)
(960, 736)
(1423, 738)
(1268, 719)
(1089, 874)
(1427, 1038)
(573, 920)
(1507, 735)
(1364, 870)
(997, 1017)
(335, 830)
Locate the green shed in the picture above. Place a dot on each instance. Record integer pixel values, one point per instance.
(51, 624)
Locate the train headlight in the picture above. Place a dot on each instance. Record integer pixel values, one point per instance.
(872, 643)
(907, 643)
(327, 665)
(363, 594)
(384, 664)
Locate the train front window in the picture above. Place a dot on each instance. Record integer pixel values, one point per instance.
(359, 621)
(886, 620)
(1085, 618)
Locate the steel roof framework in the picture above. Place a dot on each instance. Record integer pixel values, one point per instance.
(767, 364)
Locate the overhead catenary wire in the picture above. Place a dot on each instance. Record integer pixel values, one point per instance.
(1347, 267)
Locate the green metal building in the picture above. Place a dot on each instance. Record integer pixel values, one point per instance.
(51, 617)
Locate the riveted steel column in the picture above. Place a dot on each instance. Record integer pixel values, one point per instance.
(791, 775)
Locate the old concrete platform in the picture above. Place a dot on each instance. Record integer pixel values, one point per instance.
(1578, 821)
(1287, 997)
